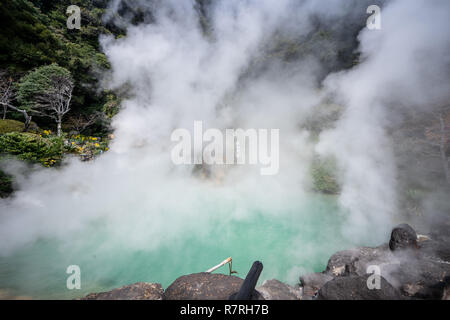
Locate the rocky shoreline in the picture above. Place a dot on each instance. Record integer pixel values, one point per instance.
(410, 266)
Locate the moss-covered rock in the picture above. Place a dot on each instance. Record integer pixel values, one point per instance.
(7, 126)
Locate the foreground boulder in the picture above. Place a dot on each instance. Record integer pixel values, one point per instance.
(356, 261)
(353, 262)
(311, 283)
(403, 237)
(277, 290)
(421, 278)
(203, 286)
(136, 291)
(356, 288)
(417, 267)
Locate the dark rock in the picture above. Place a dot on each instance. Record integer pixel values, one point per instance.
(437, 244)
(203, 286)
(311, 283)
(355, 288)
(355, 261)
(421, 278)
(403, 237)
(277, 290)
(446, 293)
(422, 272)
(136, 291)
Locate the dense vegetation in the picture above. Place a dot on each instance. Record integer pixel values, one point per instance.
(34, 34)
(35, 47)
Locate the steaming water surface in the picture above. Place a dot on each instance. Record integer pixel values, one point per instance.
(288, 243)
(132, 217)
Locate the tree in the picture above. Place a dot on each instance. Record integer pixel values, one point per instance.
(7, 95)
(55, 102)
(47, 91)
(6, 91)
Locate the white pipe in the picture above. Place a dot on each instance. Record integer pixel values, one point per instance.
(224, 262)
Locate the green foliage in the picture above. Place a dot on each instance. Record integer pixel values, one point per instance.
(37, 82)
(33, 148)
(25, 40)
(34, 33)
(112, 105)
(87, 147)
(6, 187)
(7, 126)
(323, 174)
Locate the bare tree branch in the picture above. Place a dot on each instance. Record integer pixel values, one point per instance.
(55, 102)
(23, 111)
(82, 122)
(7, 94)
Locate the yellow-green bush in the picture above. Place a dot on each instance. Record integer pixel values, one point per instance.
(33, 148)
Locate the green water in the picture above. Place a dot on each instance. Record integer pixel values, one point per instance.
(288, 244)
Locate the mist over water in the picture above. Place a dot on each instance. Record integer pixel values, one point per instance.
(132, 215)
(38, 270)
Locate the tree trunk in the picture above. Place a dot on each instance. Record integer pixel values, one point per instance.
(27, 122)
(59, 126)
(5, 108)
(22, 111)
(443, 150)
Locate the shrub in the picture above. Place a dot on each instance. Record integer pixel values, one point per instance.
(6, 187)
(33, 148)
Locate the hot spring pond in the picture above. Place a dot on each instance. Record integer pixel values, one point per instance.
(288, 245)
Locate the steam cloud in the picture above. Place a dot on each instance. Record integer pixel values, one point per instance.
(176, 74)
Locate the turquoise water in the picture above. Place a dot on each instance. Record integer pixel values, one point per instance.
(288, 244)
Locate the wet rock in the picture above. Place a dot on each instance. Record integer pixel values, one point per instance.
(136, 291)
(403, 237)
(356, 288)
(277, 290)
(203, 286)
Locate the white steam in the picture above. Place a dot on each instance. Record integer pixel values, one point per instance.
(176, 75)
(405, 65)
